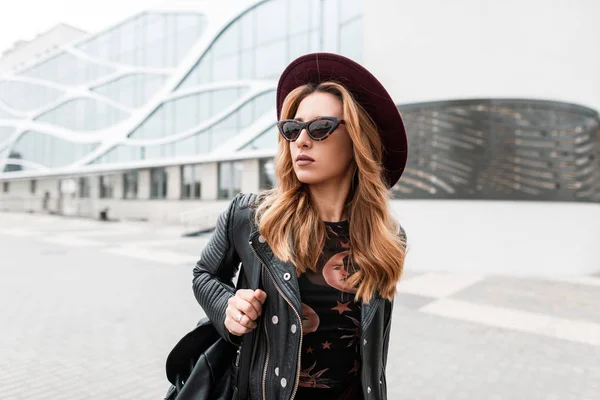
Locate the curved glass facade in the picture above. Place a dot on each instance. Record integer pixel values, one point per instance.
(179, 115)
(26, 96)
(259, 45)
(6, 115)
(5, 132)
(202, 142)
(149, 40)
(67, 69)
(265, 140)
(49, 151)
(132, 90)
(84, 115)
(228, 92)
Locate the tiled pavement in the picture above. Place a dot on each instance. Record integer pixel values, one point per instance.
(90, 310)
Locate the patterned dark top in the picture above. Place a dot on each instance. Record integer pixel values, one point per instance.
(331, 324)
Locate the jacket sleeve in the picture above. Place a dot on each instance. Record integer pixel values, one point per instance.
(386, 334)
(213, 274)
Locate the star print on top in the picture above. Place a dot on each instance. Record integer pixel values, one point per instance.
(330, 323)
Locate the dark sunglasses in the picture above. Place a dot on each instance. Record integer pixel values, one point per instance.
(318, 129)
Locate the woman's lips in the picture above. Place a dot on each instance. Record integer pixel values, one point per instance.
(302, 163)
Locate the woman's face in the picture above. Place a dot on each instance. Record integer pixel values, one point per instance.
(310, 319)
(335, 273)
(333, 157)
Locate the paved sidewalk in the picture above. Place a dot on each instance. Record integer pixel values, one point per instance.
(91, 309)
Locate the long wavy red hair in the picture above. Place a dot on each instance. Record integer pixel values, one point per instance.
(288, 218)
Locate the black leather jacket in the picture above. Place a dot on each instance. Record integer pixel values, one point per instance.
(276, 342)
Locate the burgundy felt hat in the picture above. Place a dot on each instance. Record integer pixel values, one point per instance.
(316, 68)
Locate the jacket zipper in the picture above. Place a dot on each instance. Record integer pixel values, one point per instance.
(301, 335)
(264, 380)
(237, 358)
(265, 368)
(299, 366)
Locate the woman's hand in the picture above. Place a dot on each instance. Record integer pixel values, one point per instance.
(243, 311)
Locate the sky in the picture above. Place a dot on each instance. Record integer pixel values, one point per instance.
(24, 19)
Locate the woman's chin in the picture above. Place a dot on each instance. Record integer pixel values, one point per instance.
(308, 178)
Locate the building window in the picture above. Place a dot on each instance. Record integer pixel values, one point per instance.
(5, 187)
(191, 178)
(107, 184)
(84, 187)
(32, 186)
(230, 179)
(158, 183)
(266, 178)
(130, 185)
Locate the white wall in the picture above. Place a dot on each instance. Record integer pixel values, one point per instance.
(144, 184)
(20, 198)
(174, 182)
(250, 179)
(439, 49)
(210, 176)
(506, 238)
(169, 210)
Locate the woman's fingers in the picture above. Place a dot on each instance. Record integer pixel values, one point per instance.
(260, 295)
(245, 295)
(238, 328)
(243, 310)
(240, 318)
(234, 327)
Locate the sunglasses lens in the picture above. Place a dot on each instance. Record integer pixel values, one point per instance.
(289, 129)
(320, 128)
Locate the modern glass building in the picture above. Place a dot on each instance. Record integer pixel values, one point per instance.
(175, 107)
(166, 105)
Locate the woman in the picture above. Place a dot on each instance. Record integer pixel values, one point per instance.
(322, 245)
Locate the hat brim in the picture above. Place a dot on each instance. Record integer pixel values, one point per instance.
(315, 68)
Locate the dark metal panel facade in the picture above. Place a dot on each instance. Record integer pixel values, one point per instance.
(504, 149)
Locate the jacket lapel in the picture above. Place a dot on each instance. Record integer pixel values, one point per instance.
(284, 273)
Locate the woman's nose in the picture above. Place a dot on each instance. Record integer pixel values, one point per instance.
(303, 139)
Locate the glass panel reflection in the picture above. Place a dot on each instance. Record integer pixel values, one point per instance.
(185, 113)
(191, 178)
(230, 179)
(49, 151)
(26, 96)
(266, 178)
(67, 69)
(84, 187)
(106, 186)
(84, 115)
(149, 39)
(132, 90)
(6, 115)
(5, 133)
(266, 38)
(272, 21)
(130, 184)
(158, 183)
(266, 140)
(200, 143)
